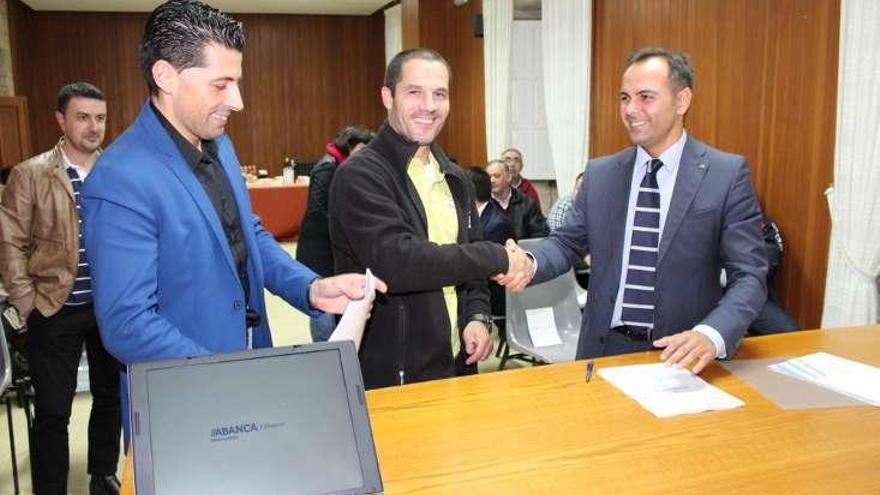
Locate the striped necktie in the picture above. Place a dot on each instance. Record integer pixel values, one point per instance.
(641, 273)
(82, 284)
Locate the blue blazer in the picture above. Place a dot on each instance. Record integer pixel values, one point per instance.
(164, 280)
(713, 222)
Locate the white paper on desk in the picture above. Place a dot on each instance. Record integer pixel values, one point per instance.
(542, 327)
(851, 378)
(668, 391)
(354, 318)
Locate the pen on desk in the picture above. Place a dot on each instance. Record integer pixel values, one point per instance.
(590, 365)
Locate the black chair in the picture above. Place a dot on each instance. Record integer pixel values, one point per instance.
(15, 381)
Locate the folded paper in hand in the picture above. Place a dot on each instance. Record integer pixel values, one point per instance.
(354, 318)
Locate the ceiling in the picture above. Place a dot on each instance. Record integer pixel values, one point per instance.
(325, 7)
(523, 9)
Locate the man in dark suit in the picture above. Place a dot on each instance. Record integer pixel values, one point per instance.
(661, 219)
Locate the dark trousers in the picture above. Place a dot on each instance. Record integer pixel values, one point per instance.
(54, 347)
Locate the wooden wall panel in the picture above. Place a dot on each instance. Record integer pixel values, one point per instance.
(305, 77)
(766, 88)
(15, 140)
(450, 30)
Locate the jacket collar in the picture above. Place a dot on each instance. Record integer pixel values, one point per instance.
(400, 150)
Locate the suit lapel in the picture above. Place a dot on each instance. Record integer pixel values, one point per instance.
(692, 169)
(618, 203)
(177, 165)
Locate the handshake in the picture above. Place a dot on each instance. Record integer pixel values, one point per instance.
(520, 268)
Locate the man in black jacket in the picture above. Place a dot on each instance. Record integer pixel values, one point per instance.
(525, 215)
(313, 247)
(400, 208)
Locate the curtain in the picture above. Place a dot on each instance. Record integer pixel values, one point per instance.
(851, 296)
(497, 23)
(393, 32)
(565, 33)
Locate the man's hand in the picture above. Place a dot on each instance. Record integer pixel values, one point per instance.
(685, 348)
(332, 294)
(477, 342)
(519, 268)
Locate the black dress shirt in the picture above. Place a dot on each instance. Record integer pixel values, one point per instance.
(205, 164)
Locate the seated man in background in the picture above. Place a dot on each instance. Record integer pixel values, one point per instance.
(44, 268)
(496, 228)
(525, 215)
(514, 160)
(773, 317)
(313, 247)
(559, 211)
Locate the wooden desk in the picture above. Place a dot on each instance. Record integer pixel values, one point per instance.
(280, 206)
(543, 430)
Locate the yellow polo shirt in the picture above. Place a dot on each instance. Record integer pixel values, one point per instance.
(442, 222)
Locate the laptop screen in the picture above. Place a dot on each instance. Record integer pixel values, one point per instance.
(288, 420)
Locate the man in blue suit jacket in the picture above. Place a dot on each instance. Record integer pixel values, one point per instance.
(660, 221)
(178, 258)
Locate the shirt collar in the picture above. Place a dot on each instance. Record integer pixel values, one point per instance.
(191, 154)
(431, 170)
(80, 170)
(670, 158)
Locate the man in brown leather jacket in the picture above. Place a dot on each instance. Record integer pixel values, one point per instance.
(45, 272)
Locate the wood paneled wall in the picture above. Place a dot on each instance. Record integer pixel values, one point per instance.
(450, 30)
(305, 77)
(766, 88)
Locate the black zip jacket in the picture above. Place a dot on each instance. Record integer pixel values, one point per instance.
(379, 222)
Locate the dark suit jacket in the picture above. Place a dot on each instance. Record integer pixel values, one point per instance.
(713, 222)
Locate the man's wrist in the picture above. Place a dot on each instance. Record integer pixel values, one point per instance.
(310, 296)
(482, 318)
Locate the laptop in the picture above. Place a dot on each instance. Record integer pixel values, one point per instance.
(287, 420)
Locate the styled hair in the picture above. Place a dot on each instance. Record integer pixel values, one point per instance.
(482, 184)
(177, 32)
(350, 137)
(681, 72)
(395, 67)
(78, 89)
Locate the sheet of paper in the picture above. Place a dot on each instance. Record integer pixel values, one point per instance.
(542, 327)
(851, 378)
(354, 318)
(668, 391)
(785, 391)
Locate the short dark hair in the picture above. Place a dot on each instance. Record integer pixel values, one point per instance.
(681, 72)
(350, 137)
(395, 67)
(482, 184)
(177, 32)
(78, 89)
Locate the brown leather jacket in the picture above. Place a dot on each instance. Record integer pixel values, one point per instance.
(39, 244)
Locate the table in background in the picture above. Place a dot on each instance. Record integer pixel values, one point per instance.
(280, 206)
(544, 430)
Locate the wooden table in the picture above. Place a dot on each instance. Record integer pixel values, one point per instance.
(544, 430)
(280, 206)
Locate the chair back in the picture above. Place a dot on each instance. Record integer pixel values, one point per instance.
(5, 359)
(559, 294)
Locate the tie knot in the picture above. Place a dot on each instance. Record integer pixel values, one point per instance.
(654, 165)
